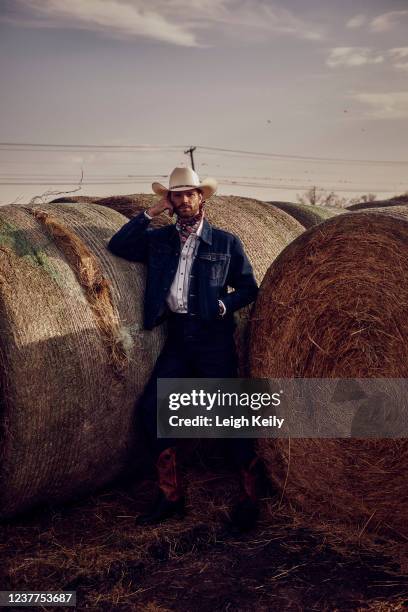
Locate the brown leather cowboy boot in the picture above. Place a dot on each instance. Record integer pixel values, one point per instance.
(170, 500)
(245, 513)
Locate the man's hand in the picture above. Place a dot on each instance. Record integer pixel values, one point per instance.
(221, 308)
(160, 207)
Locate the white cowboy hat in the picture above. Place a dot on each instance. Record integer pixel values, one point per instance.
(183, 179)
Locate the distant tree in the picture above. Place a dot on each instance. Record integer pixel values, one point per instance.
(315, 196)
(366, 197)
(44, 197)
(311, 197)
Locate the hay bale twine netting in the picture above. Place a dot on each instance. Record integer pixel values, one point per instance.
(308, 215)
(401, 200)
(334, 305)
(73, 354)
(128, 205)
(132, 205)
(80, 199)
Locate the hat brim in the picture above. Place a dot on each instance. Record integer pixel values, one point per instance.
(208, 187)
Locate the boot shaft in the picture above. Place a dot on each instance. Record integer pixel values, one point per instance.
(168, 474)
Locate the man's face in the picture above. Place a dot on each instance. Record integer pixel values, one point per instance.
(186, 203)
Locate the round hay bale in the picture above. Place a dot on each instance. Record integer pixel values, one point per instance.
(394, 211)
(308, 215)
(127, 205)
(74, 357)
(401, 200)
(67, 199)
(135, 201)
(334, 305)
(132, 205)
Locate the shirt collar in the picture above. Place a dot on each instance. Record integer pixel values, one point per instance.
(200, 227)
(204, 232)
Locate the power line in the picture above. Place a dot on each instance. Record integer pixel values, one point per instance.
(255, 181)
(40, 145)
(280, 186)
(74, 177)
(301, 157)
(304, 187)
(252, 181)
(113, 182)
(33, 147)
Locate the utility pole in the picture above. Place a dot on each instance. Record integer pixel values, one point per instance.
(191, 151)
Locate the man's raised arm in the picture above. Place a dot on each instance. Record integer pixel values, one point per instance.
(132, 239)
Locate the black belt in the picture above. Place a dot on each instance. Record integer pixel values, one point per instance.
(181, 315)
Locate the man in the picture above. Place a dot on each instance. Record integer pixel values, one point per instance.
(190, 266)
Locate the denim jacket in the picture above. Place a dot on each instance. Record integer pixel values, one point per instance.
(220, 262)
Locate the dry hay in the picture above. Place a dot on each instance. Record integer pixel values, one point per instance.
(96, 287)
(334, 305)
(131, 205)
(95, 548)
(128, 205)
(73, 354)
(308, 215)
(81, 198)
(394, 211)
(401, 200)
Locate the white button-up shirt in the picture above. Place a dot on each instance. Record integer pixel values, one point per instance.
(177, 297)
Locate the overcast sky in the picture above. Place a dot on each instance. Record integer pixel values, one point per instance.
(321, 78)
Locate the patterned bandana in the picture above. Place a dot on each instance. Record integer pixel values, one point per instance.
(186, 227)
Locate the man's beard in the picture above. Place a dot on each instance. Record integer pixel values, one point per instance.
(193, 219)
(189, 225)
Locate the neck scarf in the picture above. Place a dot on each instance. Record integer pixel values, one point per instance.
(186, 227)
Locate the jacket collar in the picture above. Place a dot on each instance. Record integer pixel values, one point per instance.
(206, 233)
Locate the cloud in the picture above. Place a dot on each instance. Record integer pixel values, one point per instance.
(115, 18)
(356, 22)
(361, 56)
(353, 56)
(262, 15)
(397, 54)
(387, 21)
(189, 23)
(392, 105)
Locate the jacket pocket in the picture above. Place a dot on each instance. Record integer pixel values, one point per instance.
(214, 266)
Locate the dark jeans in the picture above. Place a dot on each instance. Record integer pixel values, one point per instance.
(194, 349)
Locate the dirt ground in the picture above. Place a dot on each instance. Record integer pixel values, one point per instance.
(93, 547)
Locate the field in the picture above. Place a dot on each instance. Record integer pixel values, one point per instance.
(94, 547)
